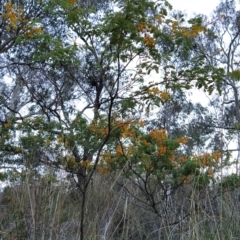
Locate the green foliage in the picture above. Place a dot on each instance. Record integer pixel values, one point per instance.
(230, 182)
(3, 176)
(54, 52)
(201, 181)
(235, 75)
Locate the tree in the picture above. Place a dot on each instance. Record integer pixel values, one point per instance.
(219, 48)
(79, 98)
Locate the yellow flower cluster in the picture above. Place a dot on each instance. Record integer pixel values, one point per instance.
(131, 150)
(33, 31)
(174, 25)
(104, 170)
(182, 159)
(125, 127)
(210, 172)
(147, 29)
(145, 143)
(153, 90)
(47, 142)
(12, 16)
(18, 150)
(205, 159)
(107, 158)
(182, 140)
(164, 96)
(85, 164)
(141, 123)
(185, 179)
(175, 165)
(98, 130)
(159, 18)
(92, 127)
(159, 136)
(72, 2)
(149, 167)
(149, 41)
(161, 150)
(141, 27)
(119, 151)
(7, 125)
(195, 30)
(60, 139)
(208, 159)
(71, 161)
(191, 32)
(172, 157)
(15, 18)
(216, 156)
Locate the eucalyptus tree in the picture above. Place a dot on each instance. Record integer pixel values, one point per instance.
(219, 48)
(181, 116)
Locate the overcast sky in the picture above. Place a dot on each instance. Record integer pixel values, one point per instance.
(196, 6)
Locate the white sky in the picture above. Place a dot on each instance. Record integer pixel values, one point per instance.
(191, 7)
(195, 6)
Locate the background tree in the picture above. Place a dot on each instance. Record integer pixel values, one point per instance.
(219, 48)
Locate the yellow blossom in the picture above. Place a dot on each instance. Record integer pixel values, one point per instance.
(7, 125)
(103, 170)
(161, 150)
(182, 140)
(141, 27)
(149, 41)
(119, 151)
(182, 159)
(185, 179)
(85, 164)
(72, 2)
(171, 158)
(174, 24)
(216, 156)
(8, 6)
(164, 95)
(210, 172)
(159, 18)
(175, 165)
(149, 167)
(71, 161)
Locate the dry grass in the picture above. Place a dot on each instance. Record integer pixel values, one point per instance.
(37, 209)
